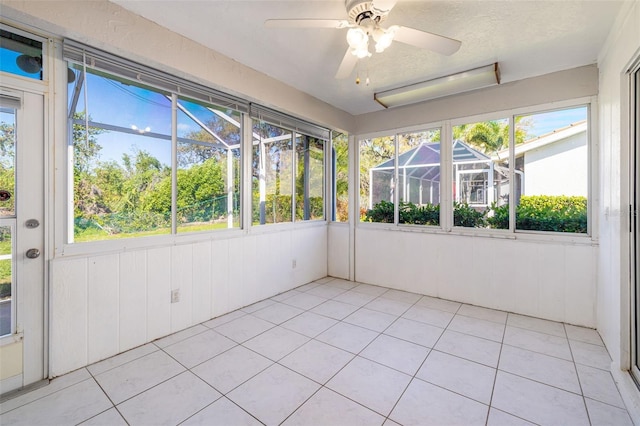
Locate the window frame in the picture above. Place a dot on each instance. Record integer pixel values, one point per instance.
(446, 164)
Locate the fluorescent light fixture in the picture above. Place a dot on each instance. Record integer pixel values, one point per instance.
(465, 81)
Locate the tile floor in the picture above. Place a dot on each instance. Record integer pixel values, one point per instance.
(335, 352)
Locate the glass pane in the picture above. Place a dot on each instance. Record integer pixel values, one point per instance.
(6, 279)
(419, 177)
(122, 172)
(341, 176)
(481, 174)
(208, 167)
(272, 174)
(552, 161)
(377, 186)
(20, 55)
(309, 178)
(7, 161)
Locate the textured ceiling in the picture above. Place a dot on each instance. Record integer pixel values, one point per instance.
(526, 37)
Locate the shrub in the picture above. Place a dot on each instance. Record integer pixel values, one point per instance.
(381, 212)
(467, 216)
(428, 214)
(559, 213)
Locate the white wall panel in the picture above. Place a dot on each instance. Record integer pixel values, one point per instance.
(182, 281)
(68, 336)
(202, 280)
(338, 250)
(220, 277)
(133, 299)
(549, 280)
(102, 307)
(158, 292)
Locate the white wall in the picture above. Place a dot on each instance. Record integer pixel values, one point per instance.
(547, 280)
(559, 168)
(622, 47)
(104, 304)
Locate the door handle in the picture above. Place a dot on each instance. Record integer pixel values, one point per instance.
(33, 253)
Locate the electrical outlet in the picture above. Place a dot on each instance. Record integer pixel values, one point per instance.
(175, 295)
(293, 264)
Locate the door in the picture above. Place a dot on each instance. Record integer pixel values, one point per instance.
(635, 290)
(22, 283)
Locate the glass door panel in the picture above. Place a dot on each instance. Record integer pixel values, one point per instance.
(7, 267)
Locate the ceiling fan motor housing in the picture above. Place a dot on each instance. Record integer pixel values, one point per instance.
(361, 10)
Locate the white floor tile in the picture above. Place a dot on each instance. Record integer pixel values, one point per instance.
(180, 335)
(334, 309)
(111, 417)
(348, 337)
(223, 319)
(426, 404)
(232, 368)
(265, 397)
(123, 358)
(388, 306)
(599, 385)
(305, 301)
(326, 291)
(197, 349)
(130, 379)
(477, 327)
(223, 413)
(583, 334)
(538, 342)
(396, 353)
(591, 355)
(55, 385)
(402, 296)
(606, 415)
(536, 324)
(344, 284)
(416, 332)
(483, 313)
(538, 403)
(244, 328)
(307, 287)
(317, 361)
(354, 298)
(372, 320)
(257, 306)
(170, 402)
(373, 385)
(328, 408)
(278, 313)
(309, 324)
(539, 367)
(373, 290)
(459, 375)
(500, 418)
(429, 316)
(284, 296)
(276, 343)
(71, 405)
(469, 347)
(439, 304)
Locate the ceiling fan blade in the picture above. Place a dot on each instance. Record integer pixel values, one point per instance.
(383, 6)
(347, 65)
(306, 23)
(422, 39)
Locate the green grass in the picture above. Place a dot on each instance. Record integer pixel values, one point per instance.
(99, 235)
(5, 271)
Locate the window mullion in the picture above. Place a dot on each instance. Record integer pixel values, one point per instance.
(512, 174)
(174, 163)
(396, 183)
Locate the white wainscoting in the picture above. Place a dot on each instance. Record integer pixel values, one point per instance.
(338, 255)
(102, 305)
(550, 280)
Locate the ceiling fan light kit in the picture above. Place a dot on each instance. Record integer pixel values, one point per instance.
(465, 81)
(364, 21)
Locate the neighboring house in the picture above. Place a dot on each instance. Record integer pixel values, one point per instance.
(559, 156)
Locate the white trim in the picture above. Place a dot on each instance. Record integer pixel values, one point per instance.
(628, 391)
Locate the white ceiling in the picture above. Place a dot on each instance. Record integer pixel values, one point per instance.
(526, 37)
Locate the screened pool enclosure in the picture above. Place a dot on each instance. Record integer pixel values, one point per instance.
(478, 180)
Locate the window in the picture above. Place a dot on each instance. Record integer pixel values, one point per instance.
(552, 159)
(480, 157)
(20, 55)
(288, 175)
(377, 179)
(122, 160)
(341, 177)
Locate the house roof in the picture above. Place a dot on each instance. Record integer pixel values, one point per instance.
(546, 139)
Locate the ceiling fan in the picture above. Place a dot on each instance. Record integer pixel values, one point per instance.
(364, 21)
